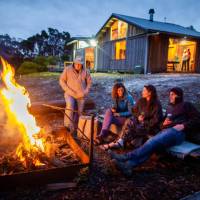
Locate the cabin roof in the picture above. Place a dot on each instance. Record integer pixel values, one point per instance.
(153, 26)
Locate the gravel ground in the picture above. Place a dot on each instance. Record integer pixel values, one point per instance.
(160, 178)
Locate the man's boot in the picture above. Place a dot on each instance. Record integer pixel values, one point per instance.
(116, 156)
(125, 167)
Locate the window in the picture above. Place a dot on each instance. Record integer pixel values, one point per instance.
(120, 50)
(122, 29)
(114, 31)
(118, 30)
(176, 49)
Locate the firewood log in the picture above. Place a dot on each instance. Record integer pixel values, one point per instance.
(57, 163)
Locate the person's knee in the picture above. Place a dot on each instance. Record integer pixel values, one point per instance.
(108, 113)
(70, 105)
(156, 138)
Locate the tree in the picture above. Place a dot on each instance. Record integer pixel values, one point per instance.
(46, 43)
(10, 50)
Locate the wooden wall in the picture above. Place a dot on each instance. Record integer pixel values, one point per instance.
(105, 37)
(158, 53)
(134, 30)
(197, 59)
(135, 54)
(118, 65)
(104, 56)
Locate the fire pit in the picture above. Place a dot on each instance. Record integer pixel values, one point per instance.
(50, 175)
(39, 158)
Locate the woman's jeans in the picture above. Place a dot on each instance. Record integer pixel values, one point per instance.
(163, 140)
(71, 118)
(109, 119)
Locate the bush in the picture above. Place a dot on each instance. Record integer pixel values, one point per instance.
(52, 60)
(41, 60)
(28, 67)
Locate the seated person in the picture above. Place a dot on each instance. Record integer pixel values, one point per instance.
(120, 111)
(182, 122)
(147, 115)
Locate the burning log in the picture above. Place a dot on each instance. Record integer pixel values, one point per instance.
(9, 164)
(37, 160)
(64, 148)
(57, 153)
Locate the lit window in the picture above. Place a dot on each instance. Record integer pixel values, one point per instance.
(114, 31)
(118, 30)
(120, 50)
(122, 29)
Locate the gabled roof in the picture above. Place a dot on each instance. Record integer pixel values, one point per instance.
(152, 26)
(77, 38)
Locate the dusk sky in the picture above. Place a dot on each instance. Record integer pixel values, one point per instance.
(23, 18)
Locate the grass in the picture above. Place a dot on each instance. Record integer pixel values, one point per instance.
(42, 74)
(95, 74)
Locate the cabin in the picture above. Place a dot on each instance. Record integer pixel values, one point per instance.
(136, 45)
(84, 47)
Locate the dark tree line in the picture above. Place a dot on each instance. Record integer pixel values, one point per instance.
(10, 49)
(50, 43)
(47, 43)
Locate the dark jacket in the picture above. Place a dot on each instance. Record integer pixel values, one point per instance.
(153, 115)
(123, 106)
(185, 113)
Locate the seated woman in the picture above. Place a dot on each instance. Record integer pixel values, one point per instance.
(181, 122)
(146, 119)
(120, 111)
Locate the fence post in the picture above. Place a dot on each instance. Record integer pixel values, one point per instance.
(91, 148)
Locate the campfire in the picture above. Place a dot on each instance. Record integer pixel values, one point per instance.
(36, 149)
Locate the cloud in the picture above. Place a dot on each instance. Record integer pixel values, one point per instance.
(23, 18)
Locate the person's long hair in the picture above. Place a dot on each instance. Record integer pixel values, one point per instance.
(154, 97)
(115, 88)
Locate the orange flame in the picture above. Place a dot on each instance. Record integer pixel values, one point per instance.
(16, 101)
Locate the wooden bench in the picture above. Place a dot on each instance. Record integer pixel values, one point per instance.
(185, 149)
(181, 151)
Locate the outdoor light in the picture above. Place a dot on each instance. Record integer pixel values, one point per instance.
(83, 44)
(183, 41)
(93, 42)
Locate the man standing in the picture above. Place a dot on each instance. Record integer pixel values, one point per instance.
(76, 82)
(182, 121)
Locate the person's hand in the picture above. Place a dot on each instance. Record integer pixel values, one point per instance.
(141, 118)
(85, 92)
(167, 122)
(116, 114)
(179, 127)
(113, 110)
